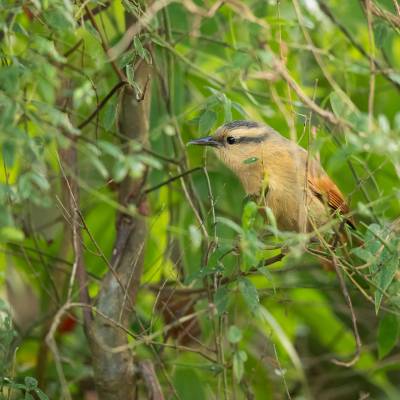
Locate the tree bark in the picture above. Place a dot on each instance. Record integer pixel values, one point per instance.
(113, 361)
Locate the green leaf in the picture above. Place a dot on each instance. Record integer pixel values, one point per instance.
(266, 56)
(206, 121)
(239, 109)
(271, 218)
(250, 160)
(388, 332)
(136, 168)
(249, 293)
(203, 272)
(109, 115)
(11, 234)
(362, 254)
(384, 260)
(241, 60)
(100, 167)
(234, 334)
(130, 75)
(110, 149)
(195, 237)
(30, 382)
(387, 267)
(41, 395)
(60, 17)
(230, 224)
(139, 47)
(227, 109)
(40, 181)
(10, 78)
(339, 107)
(8, 153)
(188, 384)
(239, 358)
(150, 161)
(221, 299)
(120, 170)
(126, 58)
(47, 47)
(381, 32)
(395, 76)
(249, 215)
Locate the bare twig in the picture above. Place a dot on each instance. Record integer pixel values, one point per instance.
(379, 67)
(397, 7)
(73, 48)
(149, 375)
(330, 117)
(170, 180)
(380, 12)
(69, 157)
(104, 43)
(347, 297)
(102, 104)
(372, 66)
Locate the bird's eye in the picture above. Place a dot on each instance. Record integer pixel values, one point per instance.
(230, 140)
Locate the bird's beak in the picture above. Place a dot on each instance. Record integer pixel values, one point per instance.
(205, 141)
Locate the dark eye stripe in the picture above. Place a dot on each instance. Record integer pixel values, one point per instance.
(252, 139)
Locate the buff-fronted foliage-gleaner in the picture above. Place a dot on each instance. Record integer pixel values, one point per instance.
(280, 175)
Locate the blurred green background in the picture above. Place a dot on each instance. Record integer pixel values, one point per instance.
(263, 333)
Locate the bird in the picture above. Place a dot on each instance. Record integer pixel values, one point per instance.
(279, 174)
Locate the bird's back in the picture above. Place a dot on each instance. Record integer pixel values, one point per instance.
(300, 193)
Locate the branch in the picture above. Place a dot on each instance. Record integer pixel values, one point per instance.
(330, 117)
(149, 375)
(96, 10)
(172, 179)
(393, 19)
(104, 43)
(114, 370)
(379, 67)
(69, 158)
(101, 104)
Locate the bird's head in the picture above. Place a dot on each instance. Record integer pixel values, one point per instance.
(240, 144)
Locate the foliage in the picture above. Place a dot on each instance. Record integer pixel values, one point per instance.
(325, 74)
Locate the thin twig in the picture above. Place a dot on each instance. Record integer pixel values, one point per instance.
(104, 43)
(170, 180)
(371, 66)
(78, 267)
(347, 297)
(393, 19)
(327, 11)
(149, 375)
(102, 104)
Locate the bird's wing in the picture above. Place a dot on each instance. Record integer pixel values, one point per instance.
(323, 188)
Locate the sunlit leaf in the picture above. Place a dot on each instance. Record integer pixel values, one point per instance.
(249, 214)
(195, 236)
(11, 234)
(234, 334)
